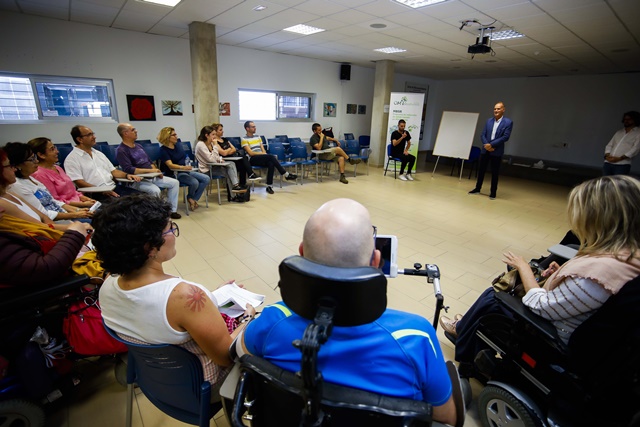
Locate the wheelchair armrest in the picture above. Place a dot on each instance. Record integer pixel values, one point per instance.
(15, 300)
(521, 312)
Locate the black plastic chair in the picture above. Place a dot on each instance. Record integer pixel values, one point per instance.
(172, 379)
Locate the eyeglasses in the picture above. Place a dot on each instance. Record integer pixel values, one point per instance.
(32, 159)
(174, 134)
(89, 134)
(375, 232)
(173, 229)
(52, 148)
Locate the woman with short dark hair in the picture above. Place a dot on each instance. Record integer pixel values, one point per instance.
(134, 238)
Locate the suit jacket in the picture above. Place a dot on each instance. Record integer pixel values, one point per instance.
(502, 135)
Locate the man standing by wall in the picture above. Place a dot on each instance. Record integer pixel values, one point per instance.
(624, 145)
(496, 132)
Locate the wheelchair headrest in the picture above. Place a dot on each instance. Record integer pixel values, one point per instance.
(359, 294)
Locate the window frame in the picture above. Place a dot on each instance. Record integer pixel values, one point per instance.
(278, 94)
(35, 79)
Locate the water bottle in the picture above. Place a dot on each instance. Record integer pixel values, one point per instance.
(187, 161)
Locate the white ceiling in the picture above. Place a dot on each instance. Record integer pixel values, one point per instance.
(563, 37)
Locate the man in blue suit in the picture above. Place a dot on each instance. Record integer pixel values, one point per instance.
(495, 133)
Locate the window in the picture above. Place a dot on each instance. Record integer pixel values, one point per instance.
(47, 98)
(270, 105)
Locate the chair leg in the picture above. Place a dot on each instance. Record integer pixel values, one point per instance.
(186, 202)
(129, 404)
(386, 167)
(218, 184)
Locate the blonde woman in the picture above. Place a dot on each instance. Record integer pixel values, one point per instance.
(173, 161)
(604, 215)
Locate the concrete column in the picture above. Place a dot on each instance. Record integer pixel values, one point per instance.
(379, 118)
(204, 73)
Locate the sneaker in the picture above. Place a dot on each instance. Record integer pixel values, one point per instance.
(254, 177)
(343, 179)
(239, 189)
(474, 191)
(409, 177)
(270, 189)
(291, 177)
(237, 199)
(403, 177)
(449, 325)
(175, 215)
(492, 197)
(354, 161)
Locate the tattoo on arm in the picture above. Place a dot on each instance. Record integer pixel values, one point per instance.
(196, 299)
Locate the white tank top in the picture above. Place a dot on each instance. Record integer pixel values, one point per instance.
(142, 313)
(24, 208)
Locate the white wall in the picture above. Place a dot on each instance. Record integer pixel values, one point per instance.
(582, 111)
(143, 64)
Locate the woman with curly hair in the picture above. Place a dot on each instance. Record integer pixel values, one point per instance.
(134, 238)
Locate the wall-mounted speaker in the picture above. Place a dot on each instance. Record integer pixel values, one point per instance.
(345, 72)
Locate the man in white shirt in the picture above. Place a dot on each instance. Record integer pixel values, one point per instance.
(624, 145)
(88, 167)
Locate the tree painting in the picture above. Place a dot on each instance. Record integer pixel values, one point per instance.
(171, 108)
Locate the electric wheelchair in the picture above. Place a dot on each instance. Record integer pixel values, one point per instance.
(533, 379)
(265, 395)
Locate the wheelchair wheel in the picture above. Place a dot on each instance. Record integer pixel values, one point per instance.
(499, 408)
(20, 413)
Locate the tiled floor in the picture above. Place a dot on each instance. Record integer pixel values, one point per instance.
(436, 221)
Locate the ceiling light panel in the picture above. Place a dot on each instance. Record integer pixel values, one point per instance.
(506, 35)
(169, 3)
(390, 50)
(418, 3)
(304, 29)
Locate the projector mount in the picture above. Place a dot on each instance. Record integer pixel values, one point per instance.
(483, 41)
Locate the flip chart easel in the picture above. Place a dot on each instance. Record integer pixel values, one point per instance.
(455, 136)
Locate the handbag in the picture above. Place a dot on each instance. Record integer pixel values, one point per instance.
(510, 281)
(85, 331)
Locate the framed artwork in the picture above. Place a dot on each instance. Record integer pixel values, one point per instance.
(362, 109)
(329, 109)
(224, 108)
(141, 108)
(352, 108)
(171, 108)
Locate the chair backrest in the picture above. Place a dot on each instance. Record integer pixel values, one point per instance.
(299, 152)
(172, 379)
(153, 151)
(364, 140)
(186, 145)
(99, 143)
(277, 400)
(349, 136)
(474, 154)
(282, 138)
(295, 140)
(235, 140)
(389, 151)
(351, 146)
(143, 141)
(63, 152)
(110, 152)
(277, 149)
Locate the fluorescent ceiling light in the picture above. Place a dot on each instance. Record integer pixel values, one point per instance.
(418, 3)
(506, 34)
(304, 29)
(170, 3)
(390, 50)
(259, 8)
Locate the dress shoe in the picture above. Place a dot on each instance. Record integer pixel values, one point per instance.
(474, 191)
(449, 325)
